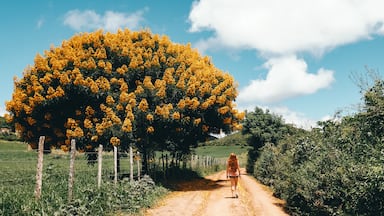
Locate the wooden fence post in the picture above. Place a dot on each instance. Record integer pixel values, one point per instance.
(115, 162)
(138, 165)
(99, 163)
(39, 170)
(130, 163)
(71, 170)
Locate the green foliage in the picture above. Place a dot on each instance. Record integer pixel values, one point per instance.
(262, 127)
(3, 123)
(335, 169)
(9, 136)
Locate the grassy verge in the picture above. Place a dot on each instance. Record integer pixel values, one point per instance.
(17, 184)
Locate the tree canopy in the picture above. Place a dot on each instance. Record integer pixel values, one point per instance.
(121, 89)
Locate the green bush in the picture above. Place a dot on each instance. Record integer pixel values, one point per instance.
(9, 137)
(318, 175)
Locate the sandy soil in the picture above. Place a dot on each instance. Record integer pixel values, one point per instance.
(212, 196)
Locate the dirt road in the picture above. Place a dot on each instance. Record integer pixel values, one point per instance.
(212, 196)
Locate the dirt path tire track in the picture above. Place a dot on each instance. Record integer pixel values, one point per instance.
(212, 196)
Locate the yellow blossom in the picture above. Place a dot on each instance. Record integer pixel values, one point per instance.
(101, 64)
(124, 97)
(119, 107)
(114, 141)
(94, 138)
(89, 111)
(127, 125)
(139, 90)
(108, 67)
(71, 123)
(143, 105)
(110, 100)
(181, 104)
(88, 123)
(176, 115)
(64, 148)
(161, 93)
(223, 110)
(197, 121)
(149, 117)
(148, 83)
(150, 129)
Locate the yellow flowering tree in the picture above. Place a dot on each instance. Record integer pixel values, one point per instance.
(121, 89)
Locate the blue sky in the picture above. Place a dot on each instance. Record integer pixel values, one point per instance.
(294, 57)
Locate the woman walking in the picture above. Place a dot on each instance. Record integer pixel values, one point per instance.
(233, 173)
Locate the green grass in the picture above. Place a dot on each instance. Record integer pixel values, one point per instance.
(18, 179)
(220, 151)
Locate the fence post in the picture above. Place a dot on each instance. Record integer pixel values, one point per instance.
(115, 162)
(71, 170)
(99, 163)
(130, 163)
(138, 165)
(192, 161)
(39, 170)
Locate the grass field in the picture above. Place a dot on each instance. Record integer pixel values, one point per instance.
(222, 152)
(18, 179)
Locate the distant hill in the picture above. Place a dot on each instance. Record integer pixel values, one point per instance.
(235, 139)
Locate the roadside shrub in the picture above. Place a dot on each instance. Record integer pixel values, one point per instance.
(9, 136)
(317, 175)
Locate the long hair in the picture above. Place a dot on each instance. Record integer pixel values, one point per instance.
(232, 161)
(232, 157)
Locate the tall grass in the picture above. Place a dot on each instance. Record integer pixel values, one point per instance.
(17, 183)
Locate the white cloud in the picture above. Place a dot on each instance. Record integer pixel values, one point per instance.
(111, 21)
(2, 111)
(287, 77)
(281, 30)
(291, 117)
(286, 27)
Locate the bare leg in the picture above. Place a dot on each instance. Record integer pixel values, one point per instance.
(233, 185)
(236, 180)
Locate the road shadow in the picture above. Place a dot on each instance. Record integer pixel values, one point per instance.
(196, 184)
(231, 197)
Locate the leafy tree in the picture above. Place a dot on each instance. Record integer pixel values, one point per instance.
(128, 88)
(373, 113)
(3, 123)
(262, 127)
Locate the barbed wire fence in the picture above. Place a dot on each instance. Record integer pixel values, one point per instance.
(31, 167)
